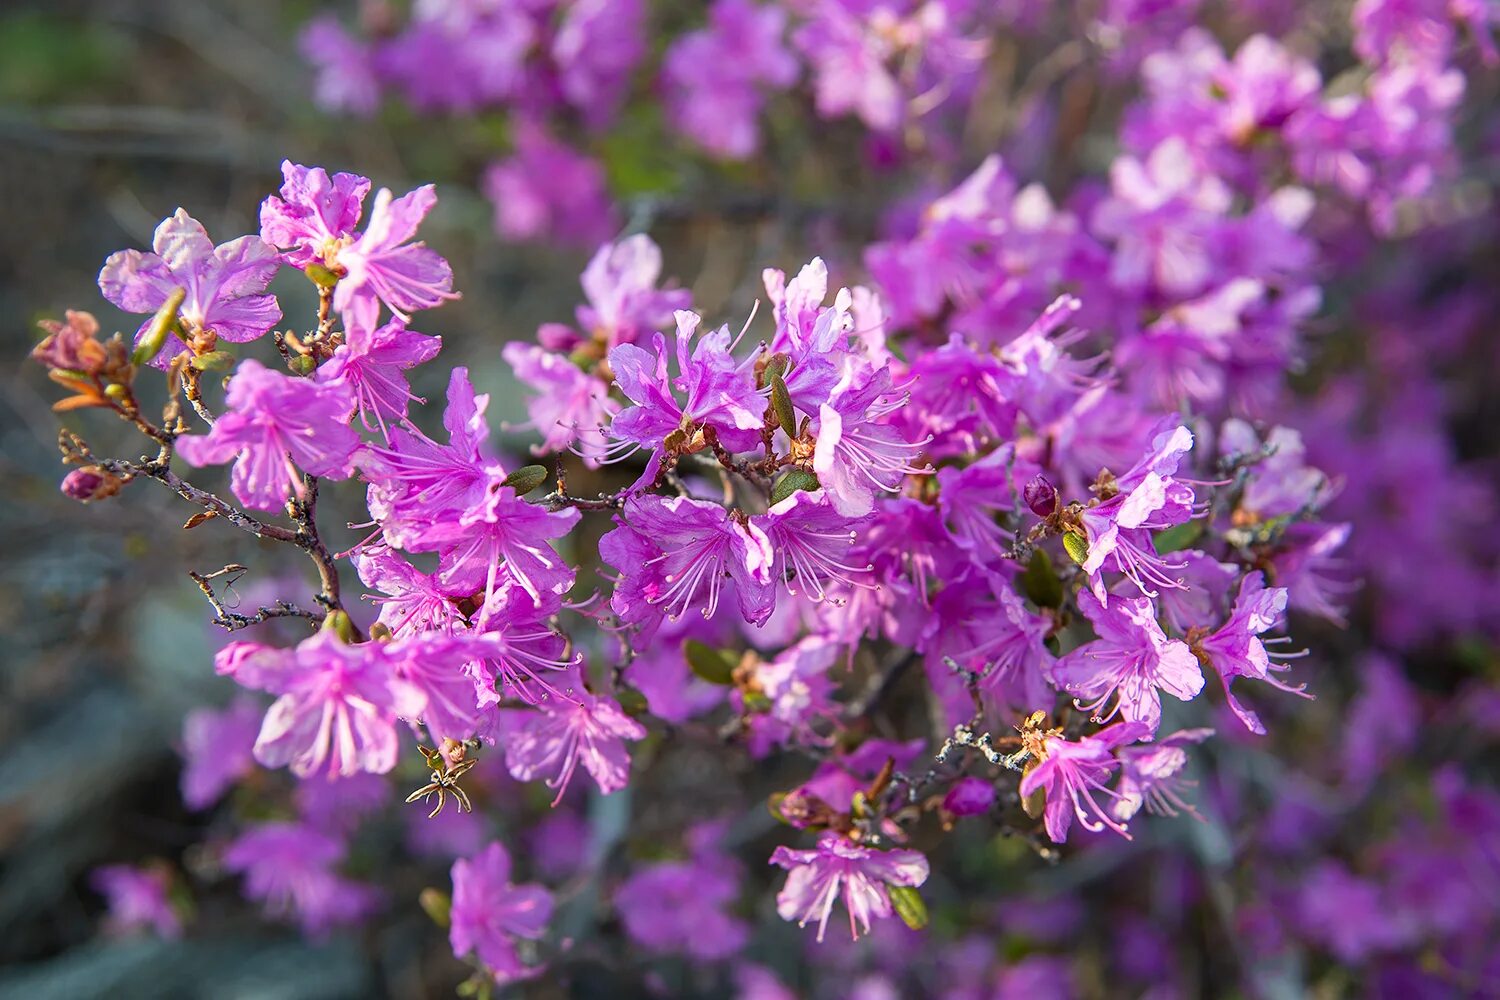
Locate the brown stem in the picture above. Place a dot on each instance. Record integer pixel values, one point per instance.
(231, 621)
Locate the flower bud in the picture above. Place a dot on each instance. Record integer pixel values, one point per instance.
(969, 797)
(90, 483)
(1041, 496)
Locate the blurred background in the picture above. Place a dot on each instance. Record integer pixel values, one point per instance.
(113, 113)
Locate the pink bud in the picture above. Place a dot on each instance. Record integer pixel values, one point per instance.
(969, 797)
(1041, 496)
(89, 483)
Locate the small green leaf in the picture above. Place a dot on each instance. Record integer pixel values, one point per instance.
(163, 323)
(214, 361)
(1040, 582)
(1077, 546)
(339, 624)
(908, 905)
(795, 481)
(713, 665)
(632, 702)
(436, 904)
(775, 368)
(781, 402)
(526, 479)
(1179, 536)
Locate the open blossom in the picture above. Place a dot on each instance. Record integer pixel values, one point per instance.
(490, 912)
(1072, 773)
(1151, 774)
(837, 867)
(276, 428)
(224, 285)
(1236, 649)
(720, 392)
(687, 548)
(1132, 661)
(551, 741)
(1146, 498)
(138, 899)
(291, 868)
(547, 189)
(316, 214)
(337, 709)
(218, 750)
(856, 456)
(812, 545)
(567, 406)
(623, 300)
(372, 364)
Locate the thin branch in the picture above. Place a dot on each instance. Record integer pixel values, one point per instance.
(231, 621)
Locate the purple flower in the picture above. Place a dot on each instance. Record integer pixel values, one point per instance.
(413, 601)
(798, 691)
(138, 899)
(715, 77)
(596, 48)
(837, 867)
(1147, 498)
(970, 796)
(1071, 773)
(856, 457)
(849, 62)
(1151, 774)
(1132, 661)
(518, 649)
(971, 496)
(346, 78)
(290, 867)
(371, 363)
(316, 214)
(690, 546)
(432, 664)
(624, 303)
(217, 749)
(382, 265)
(568, 407)
(275, 426)
(811, 545)
(1236, 649)
(224, 284)
(983, 625)
(562, 733)
(720, 393)
(489, 912)
(678, 908)
(547, 190)
(337, 709)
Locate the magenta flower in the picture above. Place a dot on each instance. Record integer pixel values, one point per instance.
(838, 867)
(337, 709)
(546, 190)
(569, 407)
(811, 545)
(316, 214)
(489, 912)
(371, 363)
(849, 58)
(138, 899)
(970, 796)
(1237, 650)
(346, 78)
(678, 908)
(624, 303)
(596, 49)
(971, 496)
(693, 545)
(276, 428)
(1148, 498)
(799, 691)
(411, 602)
(224, 284)
(720, 393)
(716, 77)
(1132, 661)
(218, 750)
(518, 650)
(1072, 773)
(291, 869)
(856, 457)
(562, 733)
(432, 664)
(1151, 775)
(382, 265)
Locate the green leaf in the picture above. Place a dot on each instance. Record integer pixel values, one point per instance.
(908, 905)
(795, 481)
(1040, 582)
(339, 624)
(320, 275)
(163, 323)
(526, 479)
(437, 905)
(781, 402)
(1077, 546)
(776, 367)
(1179, 536)
(214, 361)
(713, 665)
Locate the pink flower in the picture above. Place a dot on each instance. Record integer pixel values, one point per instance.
(217, 747)
(338, 707)
(1151, 774)
(818, 877)
(315, 215)
(138, 899)
(277, 425)
(1132, 660)
(678, 907)
(561, 733)
(489, 913)
(371, 363)
(223, 283)
(547, 190)
(290, 867)
(1237, 650)
(381, 265)
(1071, 773)
(567, 406)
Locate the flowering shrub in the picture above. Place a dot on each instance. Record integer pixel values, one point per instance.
(1009, 532)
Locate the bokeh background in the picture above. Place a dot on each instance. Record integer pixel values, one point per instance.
(112, 114)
